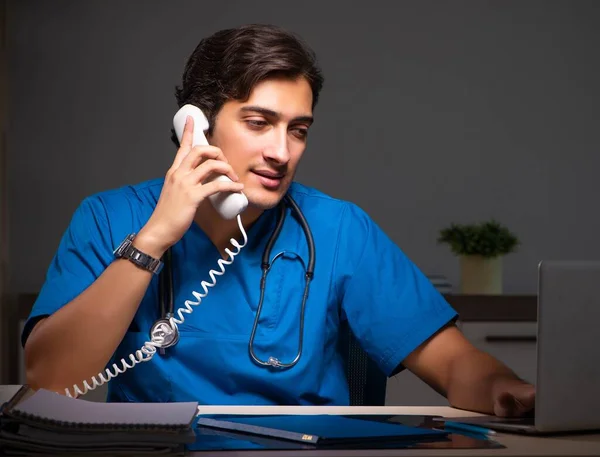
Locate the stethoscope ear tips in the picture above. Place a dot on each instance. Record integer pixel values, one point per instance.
(164, 334)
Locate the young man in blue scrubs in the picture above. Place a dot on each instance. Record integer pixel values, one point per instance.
(258, 86)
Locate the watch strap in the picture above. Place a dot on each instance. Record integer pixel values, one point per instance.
(127, 250)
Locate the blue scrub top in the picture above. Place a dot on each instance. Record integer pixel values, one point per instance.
(360, 276)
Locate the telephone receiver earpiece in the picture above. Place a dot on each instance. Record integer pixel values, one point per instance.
(227, 204)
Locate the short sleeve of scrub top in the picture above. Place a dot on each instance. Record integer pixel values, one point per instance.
(84, 252)
(390, 305)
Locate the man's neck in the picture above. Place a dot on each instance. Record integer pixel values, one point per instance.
(220, 230)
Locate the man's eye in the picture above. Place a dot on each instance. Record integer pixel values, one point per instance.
(256, 123)
(300, 132)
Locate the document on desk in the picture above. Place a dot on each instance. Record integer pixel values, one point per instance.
(322, 430)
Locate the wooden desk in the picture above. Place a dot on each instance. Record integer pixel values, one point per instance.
(516, 445)
(573, 445)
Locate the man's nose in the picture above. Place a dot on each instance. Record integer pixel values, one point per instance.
(278, 148)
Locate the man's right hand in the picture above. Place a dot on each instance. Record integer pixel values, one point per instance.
(185, 188)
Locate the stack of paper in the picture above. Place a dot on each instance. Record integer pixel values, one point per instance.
(46, 423)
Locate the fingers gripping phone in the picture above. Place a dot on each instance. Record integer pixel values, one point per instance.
(227, 204)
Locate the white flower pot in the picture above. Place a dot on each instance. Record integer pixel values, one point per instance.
(480, 275)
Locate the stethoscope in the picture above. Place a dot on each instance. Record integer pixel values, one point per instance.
(170, 333)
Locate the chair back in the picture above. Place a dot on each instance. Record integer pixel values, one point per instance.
(366, 382)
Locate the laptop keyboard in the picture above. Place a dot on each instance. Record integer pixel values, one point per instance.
(527, 420)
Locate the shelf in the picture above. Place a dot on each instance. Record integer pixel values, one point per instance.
(494, 308)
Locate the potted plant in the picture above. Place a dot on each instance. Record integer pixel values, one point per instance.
(480, 248)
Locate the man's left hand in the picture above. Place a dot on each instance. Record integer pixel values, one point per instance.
(514, 399)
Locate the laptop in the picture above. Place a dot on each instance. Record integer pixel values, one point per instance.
(568, 353)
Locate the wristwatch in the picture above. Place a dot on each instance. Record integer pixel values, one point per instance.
(126, 250)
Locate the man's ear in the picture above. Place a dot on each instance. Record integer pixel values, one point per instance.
(212, 122)
(211, 129)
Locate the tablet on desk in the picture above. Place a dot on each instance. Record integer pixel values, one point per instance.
(212, 438)
(321, 430)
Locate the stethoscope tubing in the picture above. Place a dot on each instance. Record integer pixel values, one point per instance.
(166, 286)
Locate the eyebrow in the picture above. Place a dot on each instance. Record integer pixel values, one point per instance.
(270, 113)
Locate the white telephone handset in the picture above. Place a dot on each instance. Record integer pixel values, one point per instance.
(227, 204)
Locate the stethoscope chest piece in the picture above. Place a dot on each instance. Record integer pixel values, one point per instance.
(162, 331)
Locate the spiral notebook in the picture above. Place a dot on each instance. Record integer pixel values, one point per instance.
(49, 410)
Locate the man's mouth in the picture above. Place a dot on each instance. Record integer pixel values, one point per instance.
(269, 179)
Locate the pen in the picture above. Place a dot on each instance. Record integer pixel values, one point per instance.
(469, 428)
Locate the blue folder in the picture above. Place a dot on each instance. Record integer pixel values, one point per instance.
(322, 429)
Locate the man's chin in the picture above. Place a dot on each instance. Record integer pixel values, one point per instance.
(264, 200)
(263, 205)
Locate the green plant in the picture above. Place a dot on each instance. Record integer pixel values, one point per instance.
(487, 239)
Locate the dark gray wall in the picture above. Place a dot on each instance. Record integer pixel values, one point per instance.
(432, 112)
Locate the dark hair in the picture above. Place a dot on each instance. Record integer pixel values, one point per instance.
(228, 64)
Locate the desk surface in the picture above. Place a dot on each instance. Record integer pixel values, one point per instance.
(516, 445)
(572, 445)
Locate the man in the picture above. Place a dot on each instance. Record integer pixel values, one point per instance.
(258, 86)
